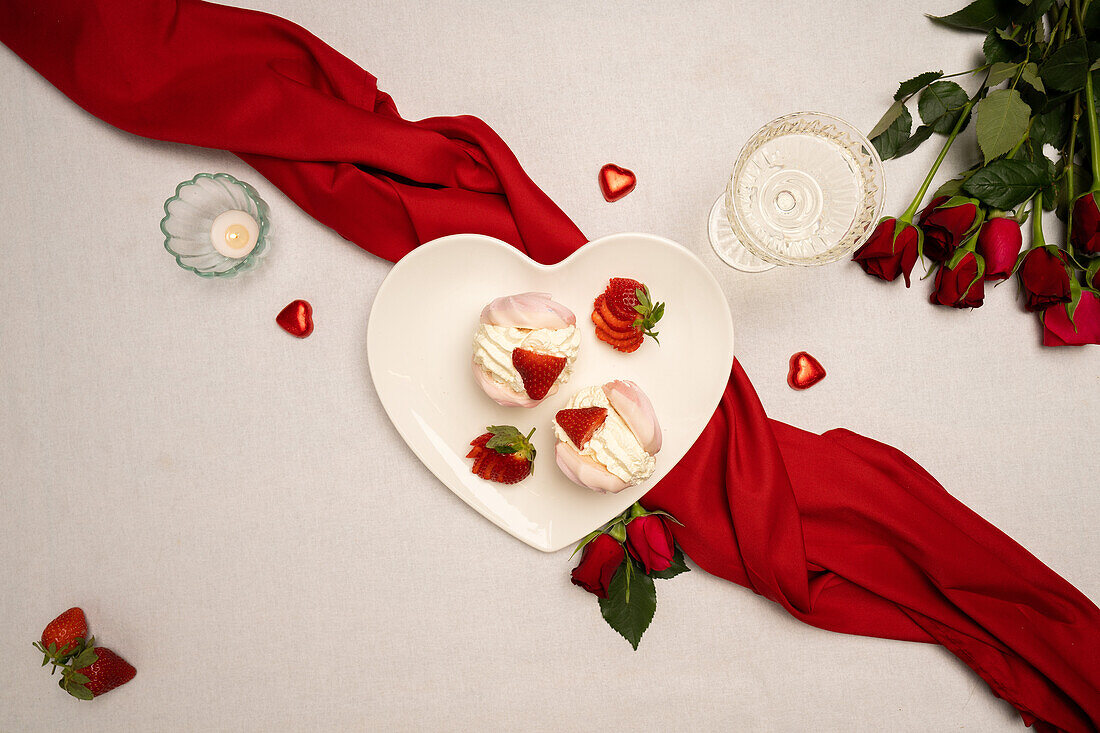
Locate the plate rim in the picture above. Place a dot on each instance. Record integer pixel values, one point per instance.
(427, 247)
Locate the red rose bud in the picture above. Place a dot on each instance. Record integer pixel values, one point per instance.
(959, 286)
(1086, 224)
(1085, 328)
(887, 256)
(945, 228)
(650, 542)
(999, 243)
(599, 560)
(1044, 278)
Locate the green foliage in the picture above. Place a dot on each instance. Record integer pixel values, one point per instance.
(1001, 120)
(892, 130)
(941, 104)
(1004, 184)
(678, 566)
(1066, 68)
(911, 86)
(631, 602)
(980, 15)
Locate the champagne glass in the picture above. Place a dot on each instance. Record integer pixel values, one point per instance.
(807, 189)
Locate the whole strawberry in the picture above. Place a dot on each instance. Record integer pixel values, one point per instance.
(94, 672)
(63, 637)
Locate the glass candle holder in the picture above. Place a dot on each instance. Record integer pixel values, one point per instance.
(216, 225)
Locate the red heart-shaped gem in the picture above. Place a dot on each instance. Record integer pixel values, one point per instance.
(616, 182)
(296, 319)
(805, 371)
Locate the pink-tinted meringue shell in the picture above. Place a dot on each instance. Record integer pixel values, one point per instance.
(528, 310)
(637, 412)
(502, 394)
(586, 472)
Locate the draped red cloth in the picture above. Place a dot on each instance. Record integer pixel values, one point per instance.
(846, 533)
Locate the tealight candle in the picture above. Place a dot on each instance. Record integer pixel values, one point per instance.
(234, 234)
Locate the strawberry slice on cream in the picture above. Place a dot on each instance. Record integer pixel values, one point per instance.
(533, 323)
(621, 451)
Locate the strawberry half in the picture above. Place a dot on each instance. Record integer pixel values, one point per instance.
(503, 454)
(581, 423)
(538, 371)
(63, 636)
(94, 672)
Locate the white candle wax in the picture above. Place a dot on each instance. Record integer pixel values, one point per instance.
(234, 234)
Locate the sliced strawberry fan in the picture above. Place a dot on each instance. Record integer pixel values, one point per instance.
(624, 314)
(504, 454)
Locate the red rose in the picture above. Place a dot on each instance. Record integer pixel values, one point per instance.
(885, 254)
(959, 286)
(599, 560)
(1086, 224)
(1085, 329)
(945, 227)
(1044, 278)
(999, 244)
(650, 542)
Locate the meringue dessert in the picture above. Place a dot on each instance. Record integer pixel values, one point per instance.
(608, 437)
(525, 348)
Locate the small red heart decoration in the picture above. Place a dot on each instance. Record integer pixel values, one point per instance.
(296, 319)
(805, 371)
(616, 182)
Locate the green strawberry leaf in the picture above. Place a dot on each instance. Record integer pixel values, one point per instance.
(80, 692)
(85, 658)
(630, 604)
(507, 440)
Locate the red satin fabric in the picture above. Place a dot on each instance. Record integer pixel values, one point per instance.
(846, 533)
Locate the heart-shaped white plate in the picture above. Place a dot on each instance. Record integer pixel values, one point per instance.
(420, 342)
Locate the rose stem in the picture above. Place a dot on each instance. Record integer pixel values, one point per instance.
(907, 217)
(1037, 239)
(1070, 155)
(1090, 108)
